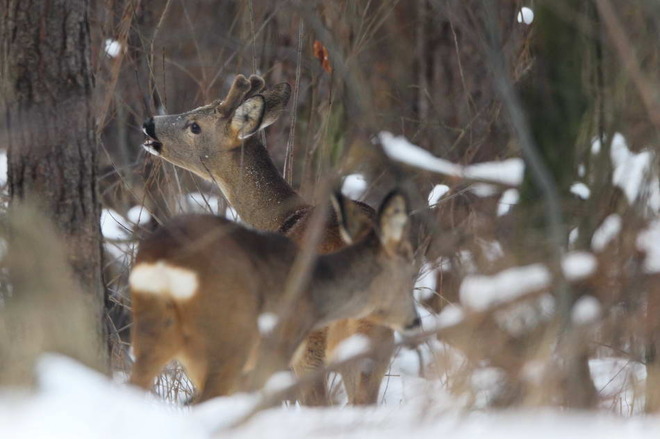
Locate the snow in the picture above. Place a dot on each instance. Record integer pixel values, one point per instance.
(266, 322)
(400, 149)
(114, 226)
(586, 310)
(579, 265)
(394, 424)
(483, 190)
(425, 283)
(449, 316)
(607, 231)
(112, 48)
(438, 191)
(480, 292)
(75, 402)
(232, 215)
(354, 345)
(3, 167)
(354, 186)
(508, 172)
(525, 15)
(509, 198)
(492, 250)
(220, 413)
(71, 401)
(117, 231)
(279, 381)
(138, 215)
(618, 379)
(487, 383)
(580, 190)
(631, 170)
(525, 316)
(648, 241)
(201, 203)
(596, 146)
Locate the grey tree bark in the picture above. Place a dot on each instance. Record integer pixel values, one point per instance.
(47, 85)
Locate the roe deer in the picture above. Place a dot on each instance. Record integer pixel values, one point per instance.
(217, 142)
(200, 284)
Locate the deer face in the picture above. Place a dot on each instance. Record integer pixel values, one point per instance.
(196, 140)
(395, 304)
(391, 260)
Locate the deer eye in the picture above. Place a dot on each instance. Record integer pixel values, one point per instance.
(194, 128)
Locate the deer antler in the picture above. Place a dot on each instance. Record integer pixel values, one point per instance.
(236, 94)
(257, 84)
(240, 90)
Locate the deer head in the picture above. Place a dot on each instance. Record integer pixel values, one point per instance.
(196, 140)
(383, 257)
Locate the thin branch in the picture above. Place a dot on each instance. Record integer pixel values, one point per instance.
(626, 52)
(290, 144)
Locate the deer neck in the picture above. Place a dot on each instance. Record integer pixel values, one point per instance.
(340, 284)
(253, 186)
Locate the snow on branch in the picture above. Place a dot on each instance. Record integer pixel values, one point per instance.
(480, 292)
(506, 172)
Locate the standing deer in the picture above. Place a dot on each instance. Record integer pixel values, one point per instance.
(218, 143)
(200, 284)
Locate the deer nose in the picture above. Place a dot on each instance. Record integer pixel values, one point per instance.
(414, 324)
(149, 128)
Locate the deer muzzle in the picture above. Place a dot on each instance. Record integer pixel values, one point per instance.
(151, 143)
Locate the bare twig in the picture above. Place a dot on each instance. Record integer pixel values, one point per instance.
(290, 144)
(626, 52)
(124, 28)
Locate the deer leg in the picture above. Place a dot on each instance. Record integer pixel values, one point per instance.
(225, 365)
(277, 349)
(148, 366)
(309, 360)
(362, 380)
(223, 378)
(155, 338)
(370, 375)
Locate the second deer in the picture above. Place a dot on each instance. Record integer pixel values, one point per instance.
(200, 284)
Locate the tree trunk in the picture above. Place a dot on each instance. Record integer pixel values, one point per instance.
(47, 87)
(555, 101)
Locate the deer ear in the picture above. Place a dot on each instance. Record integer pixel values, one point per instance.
(393, 221)
(351, 219)
(248, 117)
(276, 99)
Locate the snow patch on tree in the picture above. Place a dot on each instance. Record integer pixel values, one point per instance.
(525, 15)
(438, 191)
(608, 230)
(648, 241)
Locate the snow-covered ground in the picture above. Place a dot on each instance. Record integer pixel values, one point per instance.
(74, 402)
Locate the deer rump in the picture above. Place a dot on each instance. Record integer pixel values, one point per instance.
(174, 285)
